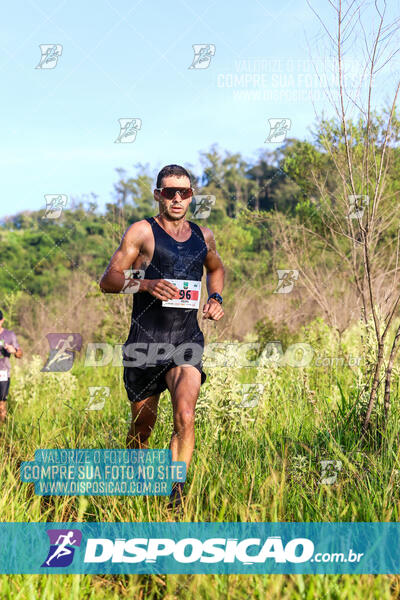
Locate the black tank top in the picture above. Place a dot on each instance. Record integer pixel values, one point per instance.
(151, 322)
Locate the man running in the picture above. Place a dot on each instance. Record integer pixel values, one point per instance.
(8, 346)
(165, 344)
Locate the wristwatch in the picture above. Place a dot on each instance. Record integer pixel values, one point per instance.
(216, 297)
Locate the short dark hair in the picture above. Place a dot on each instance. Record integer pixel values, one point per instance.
(172, 170)
(1, 315)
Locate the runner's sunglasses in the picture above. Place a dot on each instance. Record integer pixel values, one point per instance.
(169, 192)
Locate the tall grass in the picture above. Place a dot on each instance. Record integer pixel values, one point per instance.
(249, 464)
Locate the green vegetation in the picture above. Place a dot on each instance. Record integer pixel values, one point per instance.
(250, 464)
(259, 464)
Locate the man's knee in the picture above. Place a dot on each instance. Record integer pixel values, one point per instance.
(184, 417)
(143, 422)
(144, 418)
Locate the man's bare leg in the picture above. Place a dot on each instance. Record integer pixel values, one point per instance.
(144, 415)
(184, 385)
(3, 410)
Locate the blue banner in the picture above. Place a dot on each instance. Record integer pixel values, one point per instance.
(119, 472)
(202, 548)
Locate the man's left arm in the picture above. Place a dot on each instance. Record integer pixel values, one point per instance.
(215, 277)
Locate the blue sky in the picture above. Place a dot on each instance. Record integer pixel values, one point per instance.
(131, 59)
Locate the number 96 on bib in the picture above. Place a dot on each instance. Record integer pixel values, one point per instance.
(189, 294)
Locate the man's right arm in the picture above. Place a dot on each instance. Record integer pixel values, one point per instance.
(113, 279)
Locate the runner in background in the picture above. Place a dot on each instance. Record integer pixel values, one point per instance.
(8, 346)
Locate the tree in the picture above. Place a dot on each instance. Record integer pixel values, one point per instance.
(353, 176)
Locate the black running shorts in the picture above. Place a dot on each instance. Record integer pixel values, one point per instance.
(140, 383)
(4, 386)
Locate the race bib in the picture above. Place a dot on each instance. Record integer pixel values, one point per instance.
(4, 375)
(189, 294)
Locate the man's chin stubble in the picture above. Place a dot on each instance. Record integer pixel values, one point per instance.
(175, 217)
